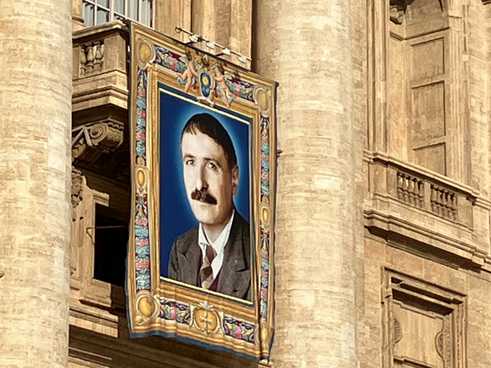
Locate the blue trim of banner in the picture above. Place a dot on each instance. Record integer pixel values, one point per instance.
(194, 342)
(272, 256)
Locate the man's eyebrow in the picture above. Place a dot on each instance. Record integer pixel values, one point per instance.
(207, 159)
(187, 155)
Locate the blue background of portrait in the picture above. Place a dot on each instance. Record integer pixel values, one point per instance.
(176, 216)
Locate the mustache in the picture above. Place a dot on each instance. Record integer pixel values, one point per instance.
(203, 196)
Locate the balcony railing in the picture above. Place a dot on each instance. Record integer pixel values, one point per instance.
(91, 58)
(442, 201)
(410, 189)
(411, 201)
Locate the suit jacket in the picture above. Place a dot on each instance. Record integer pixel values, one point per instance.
(235, 274)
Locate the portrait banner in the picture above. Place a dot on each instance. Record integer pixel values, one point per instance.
(203, 162)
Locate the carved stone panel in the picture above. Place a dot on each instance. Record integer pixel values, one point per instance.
(429, 111)
(424, 324)
(428, 58)
(429, 127)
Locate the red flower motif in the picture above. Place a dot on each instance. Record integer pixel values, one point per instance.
(238, 332)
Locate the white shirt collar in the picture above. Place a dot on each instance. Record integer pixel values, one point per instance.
(218, 245)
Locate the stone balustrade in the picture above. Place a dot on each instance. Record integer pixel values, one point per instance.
(91, 57)
(425, 190)
(100, 98)
(443, 202)
(410, 189)
(426, 210)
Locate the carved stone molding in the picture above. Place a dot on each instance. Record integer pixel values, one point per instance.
(91, 140)
(397, 331)
(439, 343)
(397, 10)
(443, 343)
(77, 188)
(396, 14)
(432, 318)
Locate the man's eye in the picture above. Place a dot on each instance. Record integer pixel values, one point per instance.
(188, 161)
(212, 166)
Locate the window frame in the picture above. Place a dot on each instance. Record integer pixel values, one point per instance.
(113, 15)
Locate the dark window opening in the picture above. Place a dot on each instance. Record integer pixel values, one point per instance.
(111, 238)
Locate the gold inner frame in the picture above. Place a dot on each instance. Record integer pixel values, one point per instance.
(169, 288)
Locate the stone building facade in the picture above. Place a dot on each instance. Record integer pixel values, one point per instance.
(384, 187)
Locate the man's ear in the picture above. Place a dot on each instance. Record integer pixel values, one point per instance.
(235, 179)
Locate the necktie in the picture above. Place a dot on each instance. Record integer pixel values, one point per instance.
(206, 272)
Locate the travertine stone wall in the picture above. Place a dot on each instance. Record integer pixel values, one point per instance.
(476, 56)
(35, 101)
(226, 22)
(307, 47)
(411, 336)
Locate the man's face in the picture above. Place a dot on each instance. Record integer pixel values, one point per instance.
(210, 183)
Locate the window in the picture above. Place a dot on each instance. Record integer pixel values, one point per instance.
(97, 12)
(111, 238)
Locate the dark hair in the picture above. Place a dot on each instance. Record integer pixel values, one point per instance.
(220, 68)
(210, 126)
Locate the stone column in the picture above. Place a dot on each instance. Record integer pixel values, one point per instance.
(35, 121)
(306, 46)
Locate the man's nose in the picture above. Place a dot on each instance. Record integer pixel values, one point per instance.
(201, 182)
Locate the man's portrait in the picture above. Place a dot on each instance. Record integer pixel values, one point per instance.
(212, 248)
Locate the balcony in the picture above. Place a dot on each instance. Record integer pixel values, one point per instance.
(100, 84)
(99, 104)
(101, 171)
(426, 213)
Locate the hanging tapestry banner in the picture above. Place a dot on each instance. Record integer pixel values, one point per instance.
(203, 162)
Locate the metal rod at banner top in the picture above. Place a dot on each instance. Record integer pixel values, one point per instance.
(193, 38)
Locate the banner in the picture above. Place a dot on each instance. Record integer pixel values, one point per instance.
(203, 161)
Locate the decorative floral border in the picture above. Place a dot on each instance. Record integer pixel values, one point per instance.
(239, 330)
(142, 232)
(175, 311)
(264, 231)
